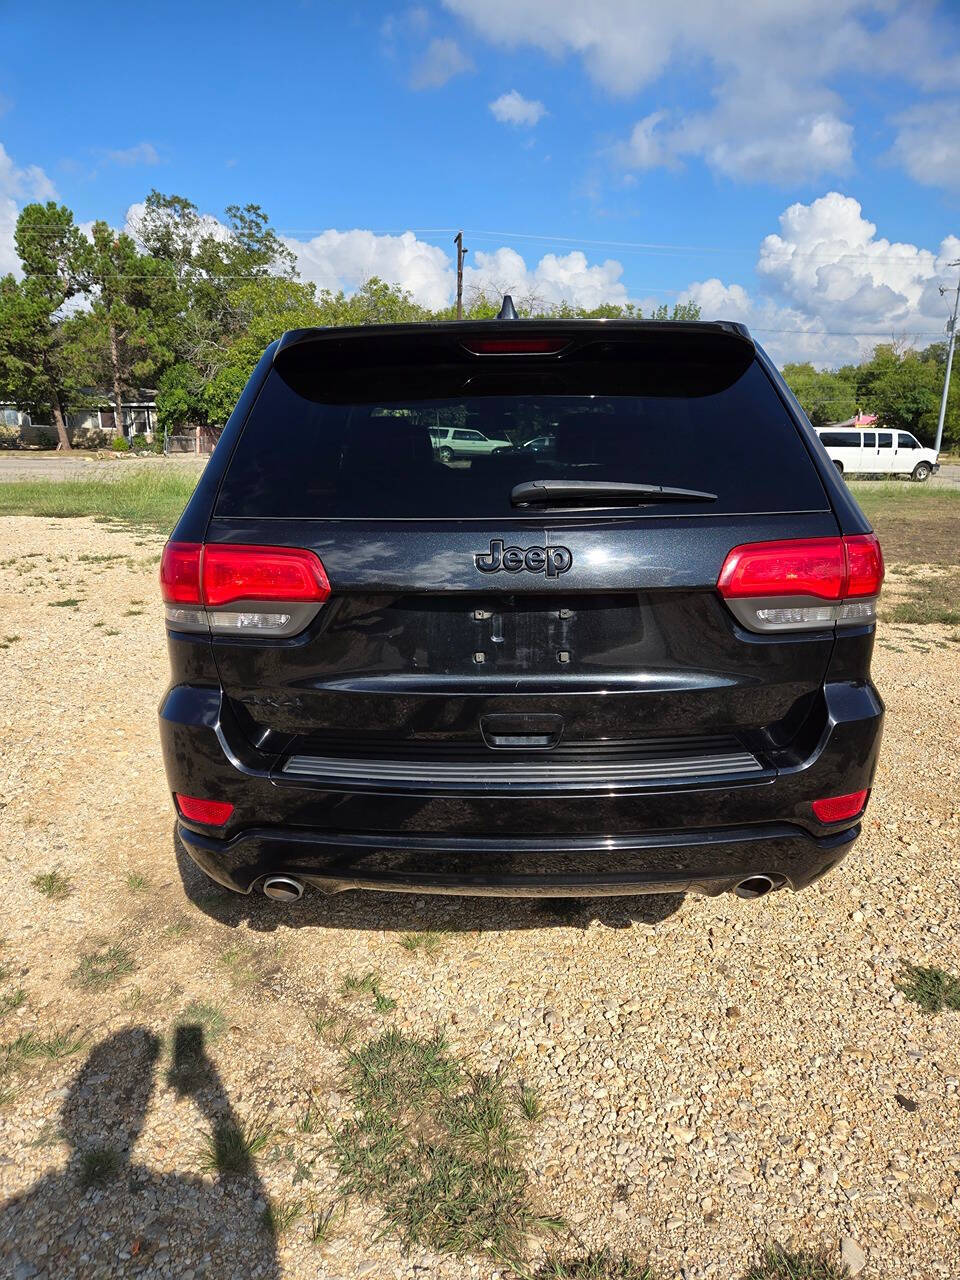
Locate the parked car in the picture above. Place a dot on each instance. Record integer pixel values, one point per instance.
(633, 665)
(464, 442)
(877, 452)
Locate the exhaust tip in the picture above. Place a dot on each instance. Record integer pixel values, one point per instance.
(754, 887)
(283, 888)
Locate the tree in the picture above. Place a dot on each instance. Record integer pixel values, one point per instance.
(825, 396)
(38, 366)
(132, 312)
(902, 389)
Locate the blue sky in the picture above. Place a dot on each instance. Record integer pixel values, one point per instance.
(566, 138)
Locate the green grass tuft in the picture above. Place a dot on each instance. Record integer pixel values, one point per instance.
(136, 882)
(52, 884)
(807, 1264)
(598, 1265)
(101, 968)
(932, 989)
(430, 941)
(280, 1215)
(98, 1166)
(321, 1224)
(229, 1148)
(530, 1103)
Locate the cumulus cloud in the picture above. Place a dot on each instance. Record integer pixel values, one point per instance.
(832, 288)
(781, 76)
(17, 186)
(344, 259)
(927, 143)
(140, 153)
(442, 60)
(513, 108)
(556, 278)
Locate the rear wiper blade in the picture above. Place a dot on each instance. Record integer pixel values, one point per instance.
(609, 493)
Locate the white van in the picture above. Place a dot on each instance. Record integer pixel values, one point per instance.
(877, 452)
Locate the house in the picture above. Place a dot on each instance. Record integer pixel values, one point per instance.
(98, 426)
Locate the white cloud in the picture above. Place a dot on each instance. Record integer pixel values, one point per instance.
(140, 153)
(514, 108)
(442, 60)
(833, 288)
(556, 278)
(344, 259)
(17, 186)
(782, 75)
(927, 143)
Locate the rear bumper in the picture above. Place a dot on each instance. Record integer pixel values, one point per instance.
(553, 839)
(707, 862)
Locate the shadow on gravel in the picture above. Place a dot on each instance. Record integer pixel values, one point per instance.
(105, 1215)
(413, 912)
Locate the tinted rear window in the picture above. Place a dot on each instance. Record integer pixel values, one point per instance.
(421, 430)
(841, 439)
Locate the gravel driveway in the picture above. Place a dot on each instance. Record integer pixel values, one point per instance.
(716, 1074)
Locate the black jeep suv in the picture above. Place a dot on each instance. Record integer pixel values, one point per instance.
(633, 659)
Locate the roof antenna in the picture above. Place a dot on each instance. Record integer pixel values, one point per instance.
(508, 311)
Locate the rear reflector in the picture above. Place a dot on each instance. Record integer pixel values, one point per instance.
(781, 586)
(836, 808)
(212, 813)
(516, 346)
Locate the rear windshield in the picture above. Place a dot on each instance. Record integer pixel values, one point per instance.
(340, 431)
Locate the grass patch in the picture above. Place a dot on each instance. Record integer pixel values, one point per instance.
(7, 641)
(368, 983)
(598, 1265)
(280, 1215)
(11, 1000)
(178, 929)
(321, 1224)
(29, 1047)
(209, 1017)
(529, 1102)
(69, 603)
(152, 498)
(98, 1166)
(430, 941)
(437, 1147)
(136, 882)
(807, 1264)
(231, 1145)
(932, 989)
(52, 884)
(934, 599)
(101, 968)
(915, 523)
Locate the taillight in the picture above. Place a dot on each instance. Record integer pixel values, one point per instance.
(838, 808)
(212, 813)
(804, 583)
(197, 581)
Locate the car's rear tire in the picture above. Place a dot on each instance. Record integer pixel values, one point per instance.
(922, 472)
(446, 454)
(838, 465)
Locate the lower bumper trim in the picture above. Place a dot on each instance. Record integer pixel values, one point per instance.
(706, 862)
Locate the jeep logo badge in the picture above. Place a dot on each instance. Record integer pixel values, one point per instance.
(549, 560)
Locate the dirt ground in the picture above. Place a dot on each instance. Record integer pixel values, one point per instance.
(716, 1074)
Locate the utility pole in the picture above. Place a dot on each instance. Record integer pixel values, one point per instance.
(946, 380)
(461, 254)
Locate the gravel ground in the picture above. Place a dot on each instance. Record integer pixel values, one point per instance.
(717, 1074)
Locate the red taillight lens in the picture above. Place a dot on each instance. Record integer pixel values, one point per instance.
(261, 573)
(836, 808)
(180, 572)
(216, 574)
(212, 813)
(800, 567)
(864, 565)
(516, 346)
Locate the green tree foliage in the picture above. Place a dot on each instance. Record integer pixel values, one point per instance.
(825, 396)
(38, 359)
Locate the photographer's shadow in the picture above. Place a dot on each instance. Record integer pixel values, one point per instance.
(415, 912)
(105, 1214)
